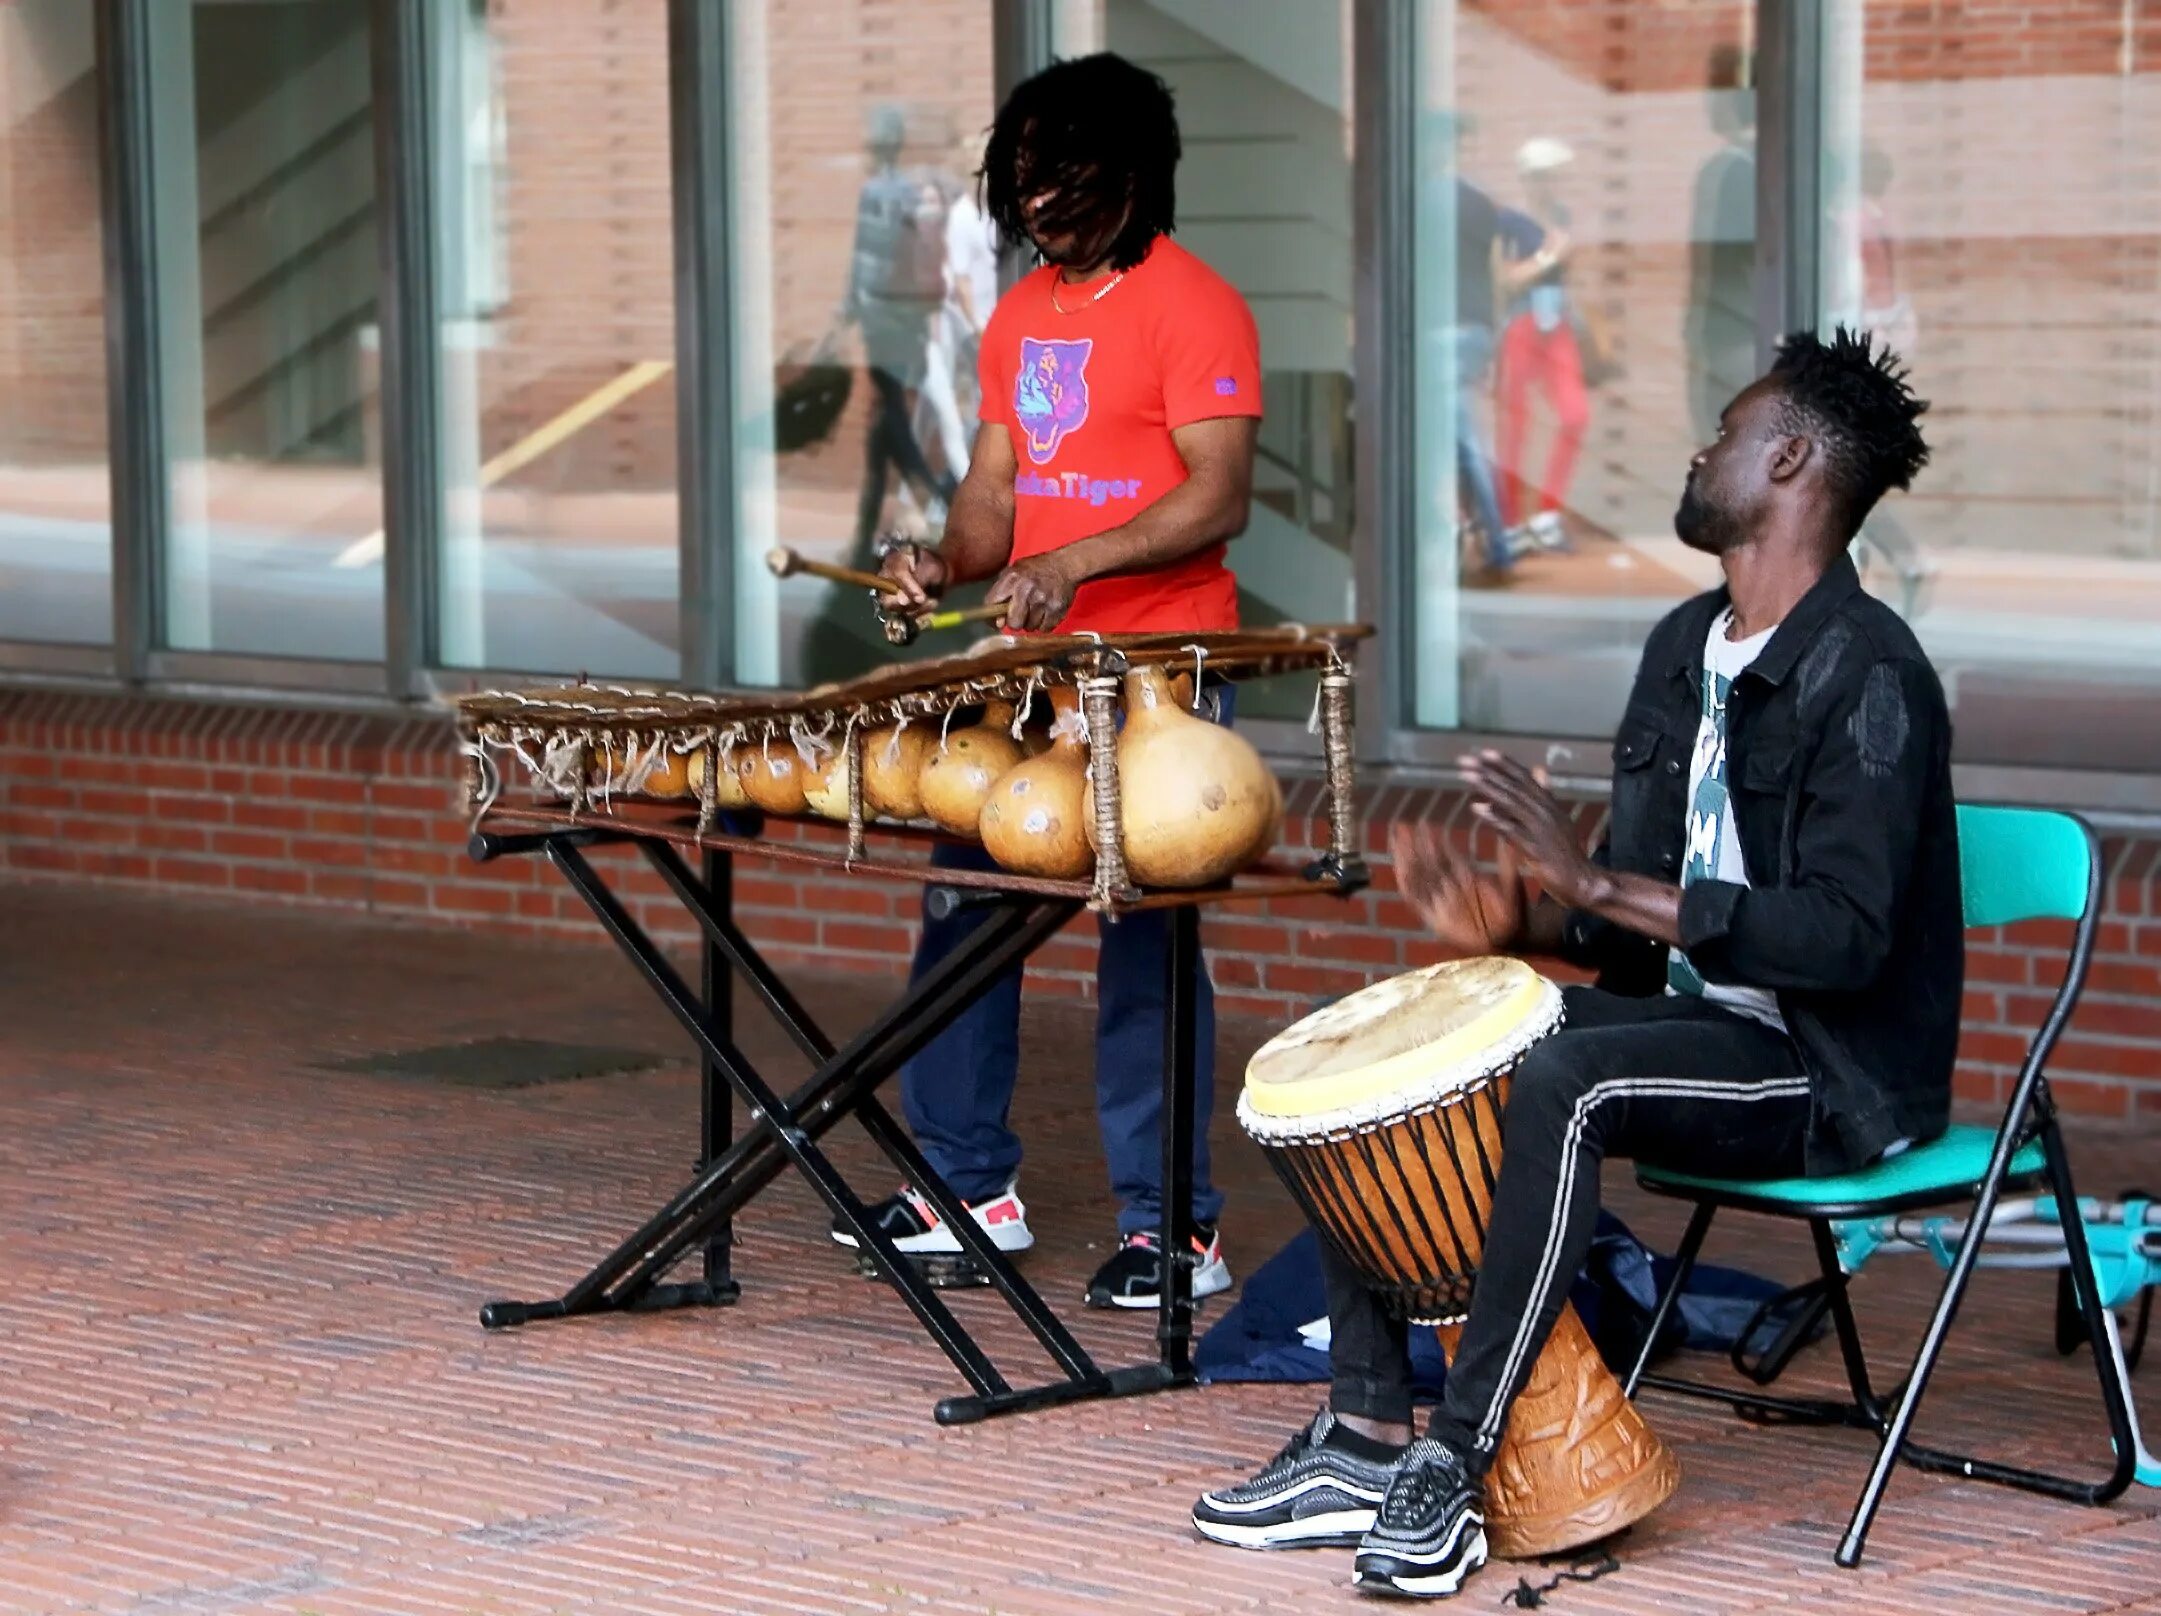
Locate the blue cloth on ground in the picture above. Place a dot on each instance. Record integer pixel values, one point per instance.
(1615, 1294)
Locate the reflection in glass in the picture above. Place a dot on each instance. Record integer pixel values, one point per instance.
(264, 193)
(1264, 197)
(55, 500)
(1584, 306)
(864, 273)
(560, 549)
(1993, 215)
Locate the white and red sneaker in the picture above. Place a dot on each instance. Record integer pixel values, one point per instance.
(1132, 1276)
(915, 1229)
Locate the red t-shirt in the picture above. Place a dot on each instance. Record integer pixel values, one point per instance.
(1090, 397)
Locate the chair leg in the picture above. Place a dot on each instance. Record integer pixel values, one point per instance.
(1900, 1425)
(1684, 1262)
(1837, 1294)
(2101, 1332)
(2115, 1392)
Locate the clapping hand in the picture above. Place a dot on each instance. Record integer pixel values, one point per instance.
(1468, 911)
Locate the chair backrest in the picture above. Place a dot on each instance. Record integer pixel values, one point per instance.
(2023, 864)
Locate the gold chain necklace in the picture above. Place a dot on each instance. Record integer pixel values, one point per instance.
(1101, 293)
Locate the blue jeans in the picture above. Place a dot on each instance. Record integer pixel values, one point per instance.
(1474, 462)
(958, 1092)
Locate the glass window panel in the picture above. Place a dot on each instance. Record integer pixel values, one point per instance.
(1993, 208)
(263, 148)
(1264, 196)
(836, 105)
(1557, 408)
(560, 547)
(55, 498)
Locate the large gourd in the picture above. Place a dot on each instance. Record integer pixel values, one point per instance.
(773, 776)
(958, 775)
(893, 760)
(1196, 801)
(825, 788)
(1032, 823)
(727, 783)
(657, 771)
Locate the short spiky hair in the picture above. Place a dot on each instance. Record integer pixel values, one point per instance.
(1853, 401)
(1097, 130)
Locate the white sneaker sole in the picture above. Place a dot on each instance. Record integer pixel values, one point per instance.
(1424, 1585)
(941, 1241)
(1338, 1529)
(1212, 1279)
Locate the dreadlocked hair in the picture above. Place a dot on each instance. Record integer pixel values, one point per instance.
(1097, 133)
(1853, 400)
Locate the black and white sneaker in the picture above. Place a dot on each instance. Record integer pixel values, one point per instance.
(1132, 1277)
(1431, 1532)
(912, 1224)
(1311, 1495)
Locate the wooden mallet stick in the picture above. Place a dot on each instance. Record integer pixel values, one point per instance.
(901, 628)
(785, 563)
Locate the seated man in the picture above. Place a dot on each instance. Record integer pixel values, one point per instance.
(1774, 916)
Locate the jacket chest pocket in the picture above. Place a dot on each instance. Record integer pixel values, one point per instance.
(1650, 784)
(1765, 802)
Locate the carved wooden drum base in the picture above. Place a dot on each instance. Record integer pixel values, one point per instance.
(1576, 1462)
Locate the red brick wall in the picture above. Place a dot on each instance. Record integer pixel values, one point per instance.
(365, 815)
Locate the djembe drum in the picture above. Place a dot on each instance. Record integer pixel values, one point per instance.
(1382, 1114)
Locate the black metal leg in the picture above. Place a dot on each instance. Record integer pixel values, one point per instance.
(714, 912)
(771, 1113)
(785, 1133)
(2115, 1394)
(1896, 1443)
(1838, 1295)
(716, 1101)
(1174, 1307)
(843, 1079)
(1684, 1264)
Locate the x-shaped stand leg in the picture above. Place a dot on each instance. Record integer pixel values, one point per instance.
(786, 1131)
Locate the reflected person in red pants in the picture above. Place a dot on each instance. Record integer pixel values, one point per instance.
(1540, 354)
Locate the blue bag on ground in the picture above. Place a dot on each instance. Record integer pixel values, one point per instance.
(1258, 1339)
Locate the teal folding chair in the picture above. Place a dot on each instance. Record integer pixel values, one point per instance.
(2016, 864)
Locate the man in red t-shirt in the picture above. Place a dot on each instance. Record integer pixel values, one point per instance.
(1121, 402)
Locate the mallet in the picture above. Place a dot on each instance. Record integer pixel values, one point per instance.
(901, 628)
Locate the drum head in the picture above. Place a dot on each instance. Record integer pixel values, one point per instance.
(1400, 1044)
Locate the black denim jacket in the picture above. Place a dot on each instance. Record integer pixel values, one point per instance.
(1838, 764)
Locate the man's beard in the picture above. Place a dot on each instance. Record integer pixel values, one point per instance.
(1078, 236)
(1701, 525)
(1083, 249)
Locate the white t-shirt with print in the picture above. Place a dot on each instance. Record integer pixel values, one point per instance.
(1714, 844)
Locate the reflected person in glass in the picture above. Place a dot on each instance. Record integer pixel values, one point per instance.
(896, 285)
(1121, 403)
(1499, 251)
(1718, 330)
(1541, 357)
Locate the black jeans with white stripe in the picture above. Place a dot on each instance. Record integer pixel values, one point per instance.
(1673, 1081)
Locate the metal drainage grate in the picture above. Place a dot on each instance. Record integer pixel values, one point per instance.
(499, 1063)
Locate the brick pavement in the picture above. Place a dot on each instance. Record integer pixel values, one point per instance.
(244, 1372)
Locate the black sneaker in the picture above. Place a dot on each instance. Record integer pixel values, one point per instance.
(912, 1224)
(1308, 1496)
(1130, 1278)
(1431, 1533)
